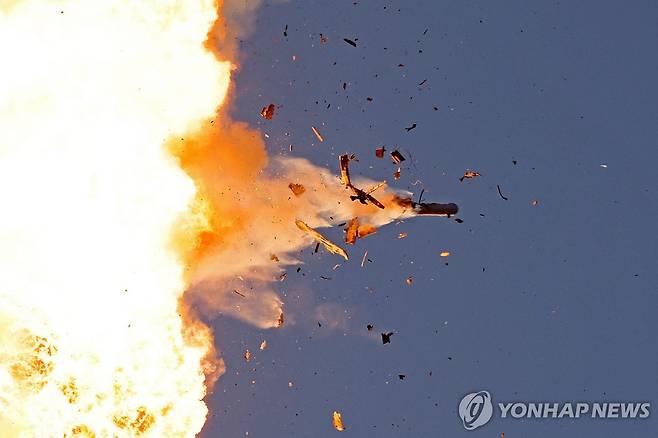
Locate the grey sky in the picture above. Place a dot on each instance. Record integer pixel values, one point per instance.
(551, 302)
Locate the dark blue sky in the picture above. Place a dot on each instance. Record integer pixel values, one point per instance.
(551, 302)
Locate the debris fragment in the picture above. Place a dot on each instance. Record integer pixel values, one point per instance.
(247, 355)
(409, 280)
(469, 174)
(351, 232)
(297, 189)
(459, 221)
(401, 376)
(285, 31)
(428, 208)
(281, 320)
(379, 152)
(445, 254)
(422, 82)
(317, 133)
(235, 291)
(363, 260)
(282, 277)
(338, 421)
(363, 196)
(344, 163)
(274, 258)
(350, 42)
(396, 174)
(534, 202)
(268, 111)
(365, 230)
(323, 39)
(402, 235)
(500, 193)
(263, 345)
(413, 126)
(330, 246)
(386, 337)
(397, 157)
(370, 327)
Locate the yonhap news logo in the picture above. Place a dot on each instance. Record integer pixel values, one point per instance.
(477, 408)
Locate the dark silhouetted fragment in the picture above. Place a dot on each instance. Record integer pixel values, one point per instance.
(386, 337)
(397, 157)
(501, 193)
(350, 42)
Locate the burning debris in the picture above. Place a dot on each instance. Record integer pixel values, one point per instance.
(337, 421)
(356, 231)
(268, 111)
(379, 152)
(469, 174)
(445, 254)
(329, 245)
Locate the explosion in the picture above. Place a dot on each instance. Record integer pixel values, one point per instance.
(132, 202)
(92, 343)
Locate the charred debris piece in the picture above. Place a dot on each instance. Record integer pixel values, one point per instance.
(363, 196)
(328, 244)
(297, 189)
(386, 337)
(350, 42)
(268, 111)
(428, 208)
(397, 157)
